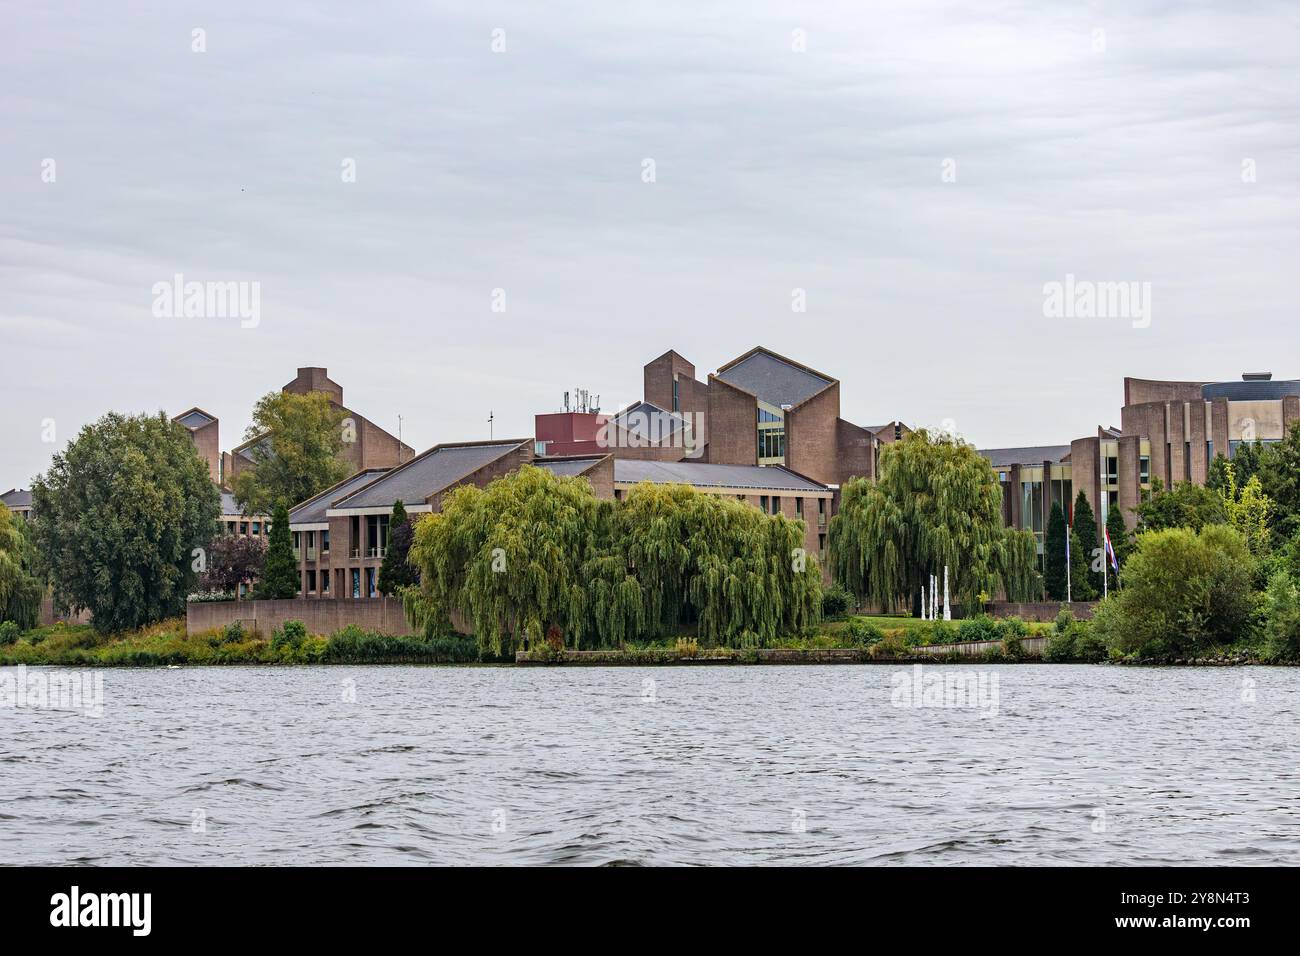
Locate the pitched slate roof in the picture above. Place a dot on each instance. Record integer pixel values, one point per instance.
(568, 467)
(312, 511)
(703, 475)
(647, 420)
(194, 418)
(1028, 455)
(774, 379)
(426, 474)
(17, 498)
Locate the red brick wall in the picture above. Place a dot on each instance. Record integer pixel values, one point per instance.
(812, 436)
(855, 447)
(733, 425)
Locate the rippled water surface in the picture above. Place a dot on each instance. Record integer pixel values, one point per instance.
(722, 765)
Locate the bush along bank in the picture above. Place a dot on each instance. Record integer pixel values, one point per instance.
(166, 643)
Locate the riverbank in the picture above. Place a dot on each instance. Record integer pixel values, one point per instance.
(855, 639)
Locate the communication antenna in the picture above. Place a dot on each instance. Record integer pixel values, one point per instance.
(399, 439)
(491, 418)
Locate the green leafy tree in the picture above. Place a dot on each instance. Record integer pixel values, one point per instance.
(20, 587)
(1054, 572)
(1248, 510)
(1184, 592)
(1282, 618)
(121, 519)
(1120, 542)
(397, 572)
(1090, 551)
(297, 453)
(1279, 475)
(1185, 506)
(280, 578)
(936, 503)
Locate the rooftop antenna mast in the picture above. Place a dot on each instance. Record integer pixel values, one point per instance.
(491, 419)
(399, 439)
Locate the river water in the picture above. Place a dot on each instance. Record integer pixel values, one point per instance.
(671, 765)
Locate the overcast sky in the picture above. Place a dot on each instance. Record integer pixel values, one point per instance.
(1115, 156)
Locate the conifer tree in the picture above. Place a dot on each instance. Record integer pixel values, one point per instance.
(280, 574)
(1054, 555)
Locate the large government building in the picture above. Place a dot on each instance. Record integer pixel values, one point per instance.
(763, 429)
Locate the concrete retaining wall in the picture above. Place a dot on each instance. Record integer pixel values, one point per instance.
(320, 615)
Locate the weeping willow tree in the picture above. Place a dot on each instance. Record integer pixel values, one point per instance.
(508, 557)
(20, 590)
(1017, 564)
(533, 555)
(936, 504)
(739, 576)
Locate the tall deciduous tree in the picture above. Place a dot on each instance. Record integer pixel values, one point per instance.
(397, 572)
(280, 578)
(121, 517)
(936, 504)
(1054, 572)
(1279, 476)
(1185, 506)
(297, 452)
(20, 588)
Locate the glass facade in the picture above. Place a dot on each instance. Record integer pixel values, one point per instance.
(771, 435)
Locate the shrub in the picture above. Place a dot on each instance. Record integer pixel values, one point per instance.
(865, 633)
(290, 636)
(1013, 627)
(233, 633)
(1060, 647)
(933, 632)
(1064, 618)
(978, 628)
(687, 647)
(1184, 592)
(835, 602)
(1089, 645)
(8, 632)
(891, 645)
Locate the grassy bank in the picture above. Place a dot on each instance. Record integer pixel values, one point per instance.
(167, 643)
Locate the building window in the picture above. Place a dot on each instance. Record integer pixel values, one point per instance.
(311, 582)
(257, 529)
(821, 544)
(230, 527)
(371, 590)
(324, 582)
(771, 443)
(798, 508)
(356, 582)
(243, 527)
(1144, 469)
(325, 542)
(1187, 461)
(762, 503)
(776, 504)
(1209, 451)
(677, 395)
